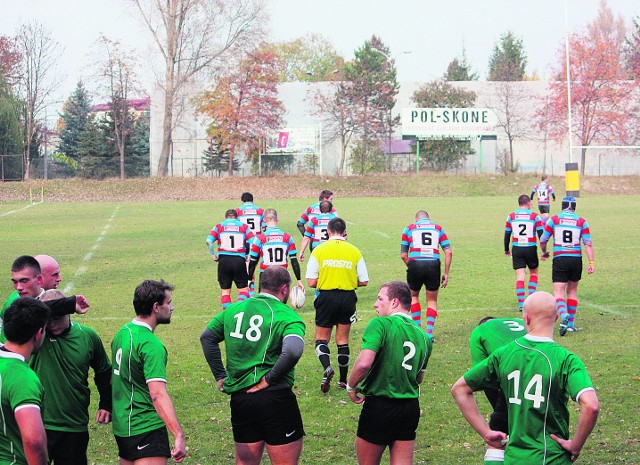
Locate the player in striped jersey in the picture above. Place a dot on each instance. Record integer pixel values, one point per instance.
(419, 250)
(537, 377)
(545, 193)
(317, 232)
(232, 237)
(314, 210)
(567, 230)
(520, 231)
(274, 247)
(250, 214)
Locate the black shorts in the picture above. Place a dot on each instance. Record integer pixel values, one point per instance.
(271, 416)
(384, 420)
(525, 257)
(543, 208)
(423, 273)
(232, 269)
(67, 448)
(150, 444)
(335, 308)
(499, 420)
(566, 269)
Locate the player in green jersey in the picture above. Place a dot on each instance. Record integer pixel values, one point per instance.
(537, 377)
(391, 365)
(62, 364)
(491, 334)
(22, 437)
(264, 340)
(142, 408)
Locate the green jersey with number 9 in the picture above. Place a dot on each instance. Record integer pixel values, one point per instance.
(537, 377)
(253, 331)
(402, 351)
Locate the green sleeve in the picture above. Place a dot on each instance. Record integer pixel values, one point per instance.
(216, 325)
(476, 346)
(155, 360)
(483, 375)
(25, 389)
(577, 377)
(373, 335)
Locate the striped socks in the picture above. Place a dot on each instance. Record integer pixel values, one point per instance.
(572, 307)
(520, 293)
(533, 284)
(431, 321)
(561, 307)
(416, 313)
(225, 300)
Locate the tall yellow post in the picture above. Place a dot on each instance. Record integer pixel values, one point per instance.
(572, 179)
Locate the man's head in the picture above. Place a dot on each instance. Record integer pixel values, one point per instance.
(394, 296)
(276, 280)
(24, 320)
(58, 325)
(524, 201)
(271, 217)
(569, 203)
(231, 213)
(485, 319)
(326, 195)
(421, 214)
(154, 298)
(539, 311)
(325, 206)
(336, 227)
(50, 271)
(544, 177)
(26, 276)
(247, 197)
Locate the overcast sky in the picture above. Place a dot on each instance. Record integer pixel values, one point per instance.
(433, 32)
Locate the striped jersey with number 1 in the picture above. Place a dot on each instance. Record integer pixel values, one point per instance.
(232, 236)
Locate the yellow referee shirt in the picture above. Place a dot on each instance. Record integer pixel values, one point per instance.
(337, 265)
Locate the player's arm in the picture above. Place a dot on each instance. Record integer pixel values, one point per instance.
(507, 243)
(363, 274)
(313, 269)
(404, 253)
(295, 266)
(533, 192)
(211, 247)
(448, 255)
(164, 406)
(589, 410)
(105, 406)
(292, 348)
(463, 394)
(253, 262)
(34, 438)
(303, 246)
(589, 249)
(361, 367)
(301, 226)
(211, 349)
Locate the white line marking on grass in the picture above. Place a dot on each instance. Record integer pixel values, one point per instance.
(87, 258)
(20, 209)
(607, 308)
(385, 235)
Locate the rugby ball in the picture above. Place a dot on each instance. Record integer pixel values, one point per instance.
(297, 296)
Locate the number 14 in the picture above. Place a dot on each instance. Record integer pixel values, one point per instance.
(535, 385)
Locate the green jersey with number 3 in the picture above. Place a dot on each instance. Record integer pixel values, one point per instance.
(402, 351)
(493, 334)
(537, 377)
(253, 331)
(138, 357)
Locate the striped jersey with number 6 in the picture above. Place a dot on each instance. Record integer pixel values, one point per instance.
(423, 239)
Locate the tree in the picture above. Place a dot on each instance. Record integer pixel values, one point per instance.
(10, 131)
(460, 70)
(508, 60)
(244, 105)
(309, 58)
(96, 150)
(632, 49)
(191, 36)
(446, 153)
(216, 158)
(39, 78)
(137, 161)
(10, 59)
(370, 94)
(119, 81)
(74, 118)
(601, 98)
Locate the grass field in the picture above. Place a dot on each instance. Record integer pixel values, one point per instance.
(105, 249)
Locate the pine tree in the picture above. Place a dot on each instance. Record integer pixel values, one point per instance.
(75, 117)
(137, 160)
(508, 60)
(96, 151)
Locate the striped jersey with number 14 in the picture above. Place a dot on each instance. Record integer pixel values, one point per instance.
(544, 191)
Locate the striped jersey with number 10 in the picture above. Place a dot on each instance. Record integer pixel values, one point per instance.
(423, 238)
(567, 230)
(274, 246)
(523, 226)
(232, 236)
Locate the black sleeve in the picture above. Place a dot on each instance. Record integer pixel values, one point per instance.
(532, 194)
(103, 383)
(301, 227)
(292, 348)
(295, 266)
(61, 307)
(540, 231)
(554, 195)
(404, 249)
(507, 241)
(252, 266)
(212, 354)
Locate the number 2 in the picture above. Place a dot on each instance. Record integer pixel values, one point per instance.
(409, 356)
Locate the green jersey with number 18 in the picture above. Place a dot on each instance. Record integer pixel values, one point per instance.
(253, 331)
(493, 334)
(138, 357)
(402, 351)
(537, 377)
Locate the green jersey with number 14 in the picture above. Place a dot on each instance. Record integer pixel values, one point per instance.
(402, 351)
(138, 357)
(537, 377)
(253, 331)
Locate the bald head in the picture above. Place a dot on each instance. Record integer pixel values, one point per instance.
(50, 271)
(420, 214)
(539, 313)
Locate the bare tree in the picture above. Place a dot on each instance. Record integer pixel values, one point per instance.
(192, 36)
(119, 80)
(39, 78)
(511, 101)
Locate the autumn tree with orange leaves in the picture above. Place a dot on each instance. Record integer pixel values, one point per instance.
(244, 106)
(601, 103)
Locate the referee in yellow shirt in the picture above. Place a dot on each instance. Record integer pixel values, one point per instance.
(336, 269)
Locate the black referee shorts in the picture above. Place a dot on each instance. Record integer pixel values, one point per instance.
(335, 308)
